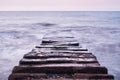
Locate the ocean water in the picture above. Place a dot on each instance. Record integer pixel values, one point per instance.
(97, 31)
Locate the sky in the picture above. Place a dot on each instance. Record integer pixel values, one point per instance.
(59, 5)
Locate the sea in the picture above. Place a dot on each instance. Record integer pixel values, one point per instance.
(98, 31)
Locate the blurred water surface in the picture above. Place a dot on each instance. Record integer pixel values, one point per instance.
(97, 31)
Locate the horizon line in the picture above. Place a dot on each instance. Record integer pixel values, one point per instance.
(60, 10)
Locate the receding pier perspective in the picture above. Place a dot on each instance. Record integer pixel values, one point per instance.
(59, 57)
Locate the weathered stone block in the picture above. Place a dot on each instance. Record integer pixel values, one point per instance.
(59, 69)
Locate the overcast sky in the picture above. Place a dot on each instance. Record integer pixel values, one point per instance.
(59, 5)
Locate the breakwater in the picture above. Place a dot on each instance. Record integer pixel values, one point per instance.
(59, 57)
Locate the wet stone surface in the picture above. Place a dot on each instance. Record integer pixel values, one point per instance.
(59, 58)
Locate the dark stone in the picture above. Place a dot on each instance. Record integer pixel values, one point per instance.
(27, 76)
(58, 55)
(59, 69)
(59, 58)
(93, 76)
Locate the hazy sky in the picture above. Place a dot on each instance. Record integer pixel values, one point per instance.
(59, 5)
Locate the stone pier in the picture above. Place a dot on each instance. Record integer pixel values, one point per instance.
(59, 58)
